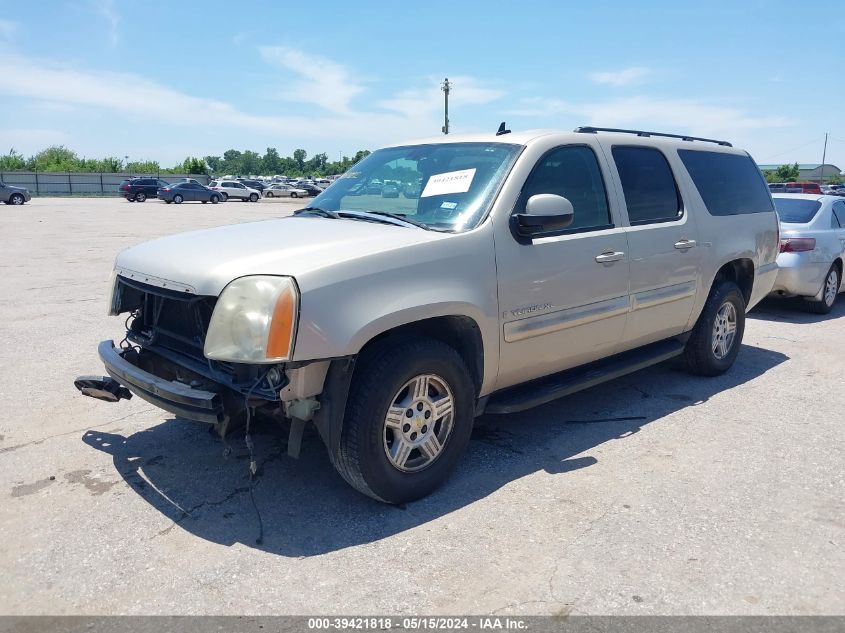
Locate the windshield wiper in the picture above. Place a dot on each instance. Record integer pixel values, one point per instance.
(318, 211)
(399, 217)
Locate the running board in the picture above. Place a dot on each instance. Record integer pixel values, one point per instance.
(542, 390)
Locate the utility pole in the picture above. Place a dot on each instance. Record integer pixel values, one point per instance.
(824, 156)
(445, 87)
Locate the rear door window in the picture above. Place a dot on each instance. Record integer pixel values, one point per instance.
(651, 194)
(729, 184)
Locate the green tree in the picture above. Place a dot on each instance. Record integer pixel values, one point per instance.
(231, 162)
(143, 167)
(55, 158)
(299, 156)
(834, 179)
(787, 173)
(12, 161)
(192, 165)
(272, 162)
(213, 163)
(250, 163)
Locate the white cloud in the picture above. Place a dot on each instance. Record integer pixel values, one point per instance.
(320, 81)
(634, 76)
(675, 115)
(426, 103)
(7, 30)
(30, 137)
(109, 13)
(120, 97)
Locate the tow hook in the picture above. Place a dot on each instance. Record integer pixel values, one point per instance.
(102, 388)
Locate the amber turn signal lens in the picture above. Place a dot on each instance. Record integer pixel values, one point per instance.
(281, 326)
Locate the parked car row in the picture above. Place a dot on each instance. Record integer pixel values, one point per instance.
(219, 190)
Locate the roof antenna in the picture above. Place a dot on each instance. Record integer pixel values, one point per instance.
(502, 130)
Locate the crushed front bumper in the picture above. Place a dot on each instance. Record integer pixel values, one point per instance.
(173, 396)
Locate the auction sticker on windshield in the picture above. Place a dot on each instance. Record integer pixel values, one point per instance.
(449, 182)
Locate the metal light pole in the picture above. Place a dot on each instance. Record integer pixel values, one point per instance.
(824, 156)
(445, 87)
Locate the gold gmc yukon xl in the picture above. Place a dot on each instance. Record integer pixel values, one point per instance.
(440, 279)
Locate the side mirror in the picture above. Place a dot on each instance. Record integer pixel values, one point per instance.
(544, 213)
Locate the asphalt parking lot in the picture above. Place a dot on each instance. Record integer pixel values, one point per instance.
(659, 493)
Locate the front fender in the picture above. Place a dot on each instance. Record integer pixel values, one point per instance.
(345, 306)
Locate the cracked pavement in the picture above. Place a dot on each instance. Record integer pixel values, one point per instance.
(658, 493)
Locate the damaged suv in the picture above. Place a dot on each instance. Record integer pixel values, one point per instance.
(529, 266)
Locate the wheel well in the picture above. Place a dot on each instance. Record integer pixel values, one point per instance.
(838, 263)
(741, 272)
(459, 332)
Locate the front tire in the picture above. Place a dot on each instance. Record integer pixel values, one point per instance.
(829, 292)
(253, 197)
(293, 194)
(215, 199)
(16, 199)
(408, 419)
(717, 336)
(178, 199)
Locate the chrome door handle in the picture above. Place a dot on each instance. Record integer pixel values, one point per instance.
(685, 244)
(608, 257)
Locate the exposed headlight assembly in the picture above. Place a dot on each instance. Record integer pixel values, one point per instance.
(254, 321)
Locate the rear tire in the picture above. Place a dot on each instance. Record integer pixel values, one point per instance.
(717, 336)
(426, 378)
(831, 289)
(269, 194)
(225, 196)
(140, 197)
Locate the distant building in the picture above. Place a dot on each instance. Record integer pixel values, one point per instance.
(809, 171)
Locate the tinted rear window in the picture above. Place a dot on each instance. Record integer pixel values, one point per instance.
(796, 210)
(729, 184)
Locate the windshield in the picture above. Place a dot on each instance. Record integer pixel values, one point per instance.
(796, 210)
(446, 186)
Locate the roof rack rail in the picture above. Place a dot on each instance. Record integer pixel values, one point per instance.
(683, 137)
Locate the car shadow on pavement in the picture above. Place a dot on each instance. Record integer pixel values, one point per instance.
(306, 509)
(794, 310)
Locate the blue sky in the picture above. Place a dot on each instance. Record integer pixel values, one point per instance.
(164, 80)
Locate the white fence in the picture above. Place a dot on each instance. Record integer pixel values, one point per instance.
(50, 183)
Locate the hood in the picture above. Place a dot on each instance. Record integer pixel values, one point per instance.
(205, 261)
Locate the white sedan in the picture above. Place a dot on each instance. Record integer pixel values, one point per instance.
(812, 248)
(284, 191)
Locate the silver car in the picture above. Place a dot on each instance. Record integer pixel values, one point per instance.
(812, 248)
(284, 191)
(13, 195)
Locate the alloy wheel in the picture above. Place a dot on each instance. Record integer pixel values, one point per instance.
(724, 330)
(418, 423)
